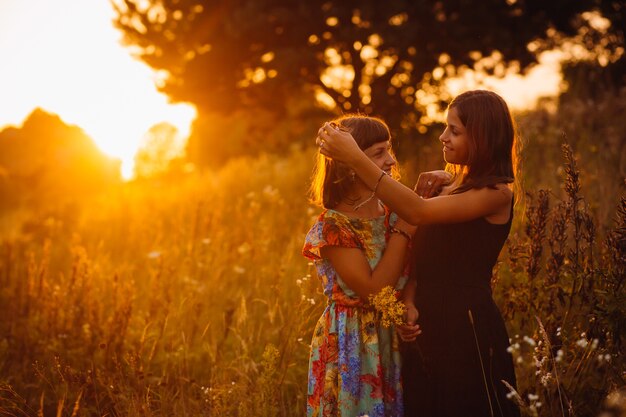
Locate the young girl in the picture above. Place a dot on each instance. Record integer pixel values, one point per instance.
(358, 247)
(462, 358)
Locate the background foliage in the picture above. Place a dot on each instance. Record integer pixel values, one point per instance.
(261, 62)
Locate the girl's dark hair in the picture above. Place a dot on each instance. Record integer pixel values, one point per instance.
(492, 141)
(332, 180)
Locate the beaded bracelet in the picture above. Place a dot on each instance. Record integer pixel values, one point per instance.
(393, 229)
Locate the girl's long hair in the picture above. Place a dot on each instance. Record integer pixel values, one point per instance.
(332, 181)
(492, 141)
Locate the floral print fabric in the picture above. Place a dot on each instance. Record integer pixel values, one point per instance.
(354, 367)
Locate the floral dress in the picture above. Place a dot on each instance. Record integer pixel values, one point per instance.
(354, 367)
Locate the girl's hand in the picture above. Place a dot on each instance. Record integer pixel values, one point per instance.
(337, 143)
(429, 184)
(409, 332)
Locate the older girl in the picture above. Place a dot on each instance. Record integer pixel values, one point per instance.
(461, 358)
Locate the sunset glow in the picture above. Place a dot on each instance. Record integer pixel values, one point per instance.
(65, 57)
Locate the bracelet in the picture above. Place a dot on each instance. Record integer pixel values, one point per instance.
(368, 199)
(382, 174)
(393, 229)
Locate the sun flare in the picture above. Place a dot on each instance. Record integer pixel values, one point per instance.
(81, 73)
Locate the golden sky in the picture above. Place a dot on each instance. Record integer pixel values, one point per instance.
(65, 57)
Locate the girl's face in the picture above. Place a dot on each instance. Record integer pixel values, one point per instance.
(380, 153)
(455, 140)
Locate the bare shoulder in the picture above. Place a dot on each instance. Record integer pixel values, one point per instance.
(501, 198)
(497, 193)
(494, 200)
(504, 190)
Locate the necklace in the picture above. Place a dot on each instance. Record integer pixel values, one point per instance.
(364, 202)
(354, 208)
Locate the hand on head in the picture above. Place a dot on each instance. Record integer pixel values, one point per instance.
(336, 143)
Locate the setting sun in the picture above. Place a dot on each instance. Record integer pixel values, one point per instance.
(65, 57)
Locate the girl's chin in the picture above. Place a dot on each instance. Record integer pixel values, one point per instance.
(449, 159)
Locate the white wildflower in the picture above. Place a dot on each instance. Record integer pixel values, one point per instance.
(244, 248)
(545, 379)
(514, 347)
(270, 191)
(559, 355)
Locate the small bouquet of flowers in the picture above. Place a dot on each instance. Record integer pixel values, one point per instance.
(390, 310)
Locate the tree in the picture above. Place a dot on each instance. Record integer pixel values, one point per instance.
(161, 147)
(367, 55)
(47, 161)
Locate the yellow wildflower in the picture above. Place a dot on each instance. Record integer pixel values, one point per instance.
(391, 311)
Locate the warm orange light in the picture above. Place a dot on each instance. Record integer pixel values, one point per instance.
(81, 73)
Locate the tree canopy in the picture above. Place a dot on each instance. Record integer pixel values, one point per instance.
(385, 58)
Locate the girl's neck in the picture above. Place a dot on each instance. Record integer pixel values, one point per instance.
(360, 204)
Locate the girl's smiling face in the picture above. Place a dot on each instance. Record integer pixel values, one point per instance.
(455, 140)
(381, 154)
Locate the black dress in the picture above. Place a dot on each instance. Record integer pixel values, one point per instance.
(443, 373)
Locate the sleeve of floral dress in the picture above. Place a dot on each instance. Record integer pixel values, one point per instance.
(329, 230)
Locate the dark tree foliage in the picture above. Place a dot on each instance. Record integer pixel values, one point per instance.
(262, 55)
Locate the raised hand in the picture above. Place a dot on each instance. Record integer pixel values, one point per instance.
(429, 184)
(336, 143)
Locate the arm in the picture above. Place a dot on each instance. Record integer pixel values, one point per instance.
(414, 209)
(353, 267)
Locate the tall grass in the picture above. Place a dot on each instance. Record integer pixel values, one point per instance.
(563, 294)
(189, 296)
(182, 298)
